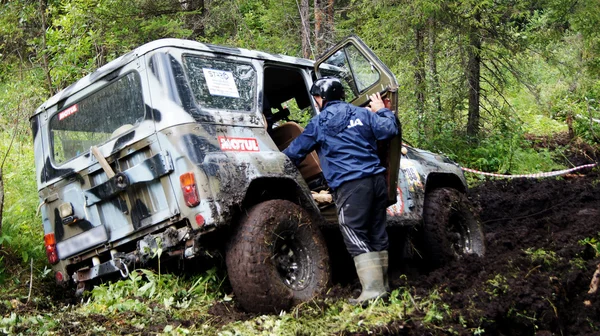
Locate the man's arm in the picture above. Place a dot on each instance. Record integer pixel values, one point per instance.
(303, 144)
(383, 121)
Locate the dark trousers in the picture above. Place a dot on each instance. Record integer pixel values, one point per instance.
(361, 209)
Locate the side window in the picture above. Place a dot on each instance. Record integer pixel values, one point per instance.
(353, 69)
(92, 120)
(221, 84)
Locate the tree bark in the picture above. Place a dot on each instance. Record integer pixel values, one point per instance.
(330, 29)
(194, 21)
(433, 67)
(419, 79)
(323, 25)
(473, 76)
(305, 19)
(43, 6)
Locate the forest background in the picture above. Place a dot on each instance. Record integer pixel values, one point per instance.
(480, 80)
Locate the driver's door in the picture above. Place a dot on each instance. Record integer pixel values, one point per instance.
(363, 74)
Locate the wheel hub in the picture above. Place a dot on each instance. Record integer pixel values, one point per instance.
(292, 262)
(460, 236)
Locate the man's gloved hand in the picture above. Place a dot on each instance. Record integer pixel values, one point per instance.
(376, 102)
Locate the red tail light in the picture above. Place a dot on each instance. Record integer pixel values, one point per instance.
(50, 243)
(189, 189)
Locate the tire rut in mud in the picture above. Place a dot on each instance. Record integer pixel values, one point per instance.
(535, 275)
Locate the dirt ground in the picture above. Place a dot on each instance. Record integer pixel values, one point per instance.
(535, 276)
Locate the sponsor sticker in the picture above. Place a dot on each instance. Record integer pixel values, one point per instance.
(220, 83)
(398, 208)
(67, 112)
(238, 144)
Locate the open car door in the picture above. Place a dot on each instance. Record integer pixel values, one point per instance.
(363, 74)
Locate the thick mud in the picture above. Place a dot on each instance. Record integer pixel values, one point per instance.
(536, 273)
(535, 276)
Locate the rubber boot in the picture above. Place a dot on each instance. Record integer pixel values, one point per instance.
(384, 256)
(370, 272)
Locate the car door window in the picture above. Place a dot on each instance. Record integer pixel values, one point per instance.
(353, 69)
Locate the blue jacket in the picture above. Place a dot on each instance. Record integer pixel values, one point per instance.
(345, 138)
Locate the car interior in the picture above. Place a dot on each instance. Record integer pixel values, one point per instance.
(285, 88)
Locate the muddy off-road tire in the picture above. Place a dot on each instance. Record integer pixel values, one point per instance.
(277, 258)
(450, 229)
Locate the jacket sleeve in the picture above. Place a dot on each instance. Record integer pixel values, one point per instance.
(384, 124)
(304, 143)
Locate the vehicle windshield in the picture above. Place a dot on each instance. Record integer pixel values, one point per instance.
(221, 84)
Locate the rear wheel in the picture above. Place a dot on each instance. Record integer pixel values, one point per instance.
(450, 229)
(277, 258)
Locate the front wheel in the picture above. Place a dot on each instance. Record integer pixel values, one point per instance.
(450, 229)
(277, 258)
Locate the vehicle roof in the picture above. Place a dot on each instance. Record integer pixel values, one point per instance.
(166, 43)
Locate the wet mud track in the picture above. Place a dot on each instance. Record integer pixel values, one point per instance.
(536, 273)
(534, 279)
(535, 276)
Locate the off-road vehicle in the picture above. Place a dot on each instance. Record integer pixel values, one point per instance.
(175, 147)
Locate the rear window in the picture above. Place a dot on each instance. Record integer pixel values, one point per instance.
(221, 84)
(97, 118)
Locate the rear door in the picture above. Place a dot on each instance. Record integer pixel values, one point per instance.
(363, 74)
(86, 203)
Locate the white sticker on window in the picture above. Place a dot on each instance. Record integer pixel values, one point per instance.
(220, 83)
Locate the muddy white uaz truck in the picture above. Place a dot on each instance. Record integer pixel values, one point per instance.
(175, 148)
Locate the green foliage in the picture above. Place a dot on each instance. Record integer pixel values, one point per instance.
(497, 286)
(21, 229)
(144, 287)
(593, 242)
(542, 257)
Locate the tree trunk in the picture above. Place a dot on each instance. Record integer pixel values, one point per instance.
(43, 6)
(305, 19)
(330, 29)
(194, 21)
(433, 68)
(473, 76)
(323, 25)
(419, 80)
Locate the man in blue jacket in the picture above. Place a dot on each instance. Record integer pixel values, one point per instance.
(345, 138)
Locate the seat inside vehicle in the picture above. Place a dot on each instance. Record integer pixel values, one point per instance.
(283, 136)
(286, 92)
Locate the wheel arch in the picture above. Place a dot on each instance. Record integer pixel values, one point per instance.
(269, 188)
(444, 180)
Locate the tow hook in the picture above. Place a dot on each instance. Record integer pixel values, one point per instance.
(122, 266)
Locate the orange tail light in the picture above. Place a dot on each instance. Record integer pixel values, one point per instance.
(189, 189)
(50, 244)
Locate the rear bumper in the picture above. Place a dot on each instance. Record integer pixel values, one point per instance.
(172, 242)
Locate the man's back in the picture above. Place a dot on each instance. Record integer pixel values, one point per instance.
(345, 137)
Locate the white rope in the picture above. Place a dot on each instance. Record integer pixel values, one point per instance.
(536, 175)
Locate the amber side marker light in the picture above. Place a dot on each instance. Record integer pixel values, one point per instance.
(189, 189)
(50, 243)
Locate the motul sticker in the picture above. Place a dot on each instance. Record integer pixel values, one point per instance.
(238, 144)
(65, 113)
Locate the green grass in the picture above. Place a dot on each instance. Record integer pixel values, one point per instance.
(166, 304)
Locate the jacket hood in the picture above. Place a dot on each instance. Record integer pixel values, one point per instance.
(335, 117)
